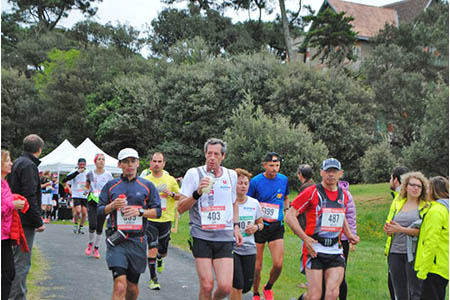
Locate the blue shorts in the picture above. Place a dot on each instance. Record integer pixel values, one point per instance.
(129, 255)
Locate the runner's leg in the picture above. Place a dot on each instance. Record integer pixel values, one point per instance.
(333, 279)
(205, 276)
(314, 279)
(120, 287)
(277, 251)
(223, 268)
(258, 266)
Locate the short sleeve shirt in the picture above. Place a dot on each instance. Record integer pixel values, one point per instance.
(249, 212)
(78, 185)
(167, 203)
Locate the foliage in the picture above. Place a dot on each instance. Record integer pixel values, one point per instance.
(332, 35)
(377, 162)
(336, 109)
(47, 13)
(429, 153)
(21, 110)
(252, 134)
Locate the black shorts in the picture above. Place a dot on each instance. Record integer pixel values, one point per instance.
(244, 270)
(131, 276)
(271, 232)
(212, 249)
(325, 261)
(158, 235)
(80, 201)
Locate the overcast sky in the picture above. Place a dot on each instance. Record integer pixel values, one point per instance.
(138, 13)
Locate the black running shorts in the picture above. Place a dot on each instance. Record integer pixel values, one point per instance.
(80, 201)
(271, 232)
(211, 249)
(158, 235)
(325, 261)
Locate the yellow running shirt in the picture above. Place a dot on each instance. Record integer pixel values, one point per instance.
(167, 202)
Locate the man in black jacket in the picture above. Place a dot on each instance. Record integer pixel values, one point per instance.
(24, 180)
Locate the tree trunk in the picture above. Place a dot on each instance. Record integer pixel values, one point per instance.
(287, 35)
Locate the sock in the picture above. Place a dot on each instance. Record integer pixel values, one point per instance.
(152, 268)
(268, 286)
(301, 297)
(97, 240)
(91, 237)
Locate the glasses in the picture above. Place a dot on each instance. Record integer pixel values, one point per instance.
(418, 186)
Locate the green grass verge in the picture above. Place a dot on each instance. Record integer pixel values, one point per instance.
(38, 273)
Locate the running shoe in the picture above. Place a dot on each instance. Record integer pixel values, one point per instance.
(268, 294)
(80, 230)
(75, 228)
(88, 250)
(256, 297)
(96, 254)
(45, 221)
(154, 284)
(160, 264)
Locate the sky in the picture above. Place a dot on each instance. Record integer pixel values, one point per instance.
(140, 13)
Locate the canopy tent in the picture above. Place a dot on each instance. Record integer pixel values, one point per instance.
(56, 155)
(87, 150)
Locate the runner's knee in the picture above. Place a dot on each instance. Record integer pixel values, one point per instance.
(207, 286)
(224, 287)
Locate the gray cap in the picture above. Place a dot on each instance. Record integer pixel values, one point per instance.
(331, 163)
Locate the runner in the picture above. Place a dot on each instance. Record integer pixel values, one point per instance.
(95, 180)
(129, 200)
(77, 181)
(325, 205)
(250, 219)
(55, 196)
(209, 193)
(158, 230)
(271, 190)
(47, 192)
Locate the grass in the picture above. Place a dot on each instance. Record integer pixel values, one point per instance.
(38, 273)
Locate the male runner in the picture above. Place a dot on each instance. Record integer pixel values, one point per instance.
(95, 181)
(214, 219)
(129, 200)
(77, 181)
(271, 190)
(325, 205)
(158, 230)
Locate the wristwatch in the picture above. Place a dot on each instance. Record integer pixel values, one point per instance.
(141, 212)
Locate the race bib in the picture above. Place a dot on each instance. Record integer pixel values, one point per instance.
(131, 223)
(163, 202)
(96, 193)
(81, 186)
(213, 217)
(270, 211)
(332, 219)
(244, 221)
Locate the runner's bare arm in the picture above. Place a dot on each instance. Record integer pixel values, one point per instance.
(186, 202)
(292, 221)
(354, 239)
(286, 203)
(237, 230)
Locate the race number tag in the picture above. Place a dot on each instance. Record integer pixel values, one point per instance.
(244, 221)
(332, 219)
(81, 186)
(270, 211)
(213, 217)
(97, 193)
(163, 201)
(131, 223)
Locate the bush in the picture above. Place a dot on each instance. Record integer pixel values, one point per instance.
(253, 134)
(377, 163)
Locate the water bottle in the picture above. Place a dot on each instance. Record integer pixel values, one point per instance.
(211, 177)
(123, 196)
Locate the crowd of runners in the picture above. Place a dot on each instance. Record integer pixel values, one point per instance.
(233, 215)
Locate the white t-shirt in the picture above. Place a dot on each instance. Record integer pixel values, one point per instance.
(249, 212)
(98, 181)
(78, 185)
(211, 216)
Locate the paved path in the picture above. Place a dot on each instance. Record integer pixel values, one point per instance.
(72, 275)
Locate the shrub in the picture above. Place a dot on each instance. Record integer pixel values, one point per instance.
(377, 163)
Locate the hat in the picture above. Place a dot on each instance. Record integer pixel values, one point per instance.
(127, 152)
(269, 157)
(81, 160)
(331, 163)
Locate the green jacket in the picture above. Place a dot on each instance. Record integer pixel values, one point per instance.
(432, 248)
(396, 206)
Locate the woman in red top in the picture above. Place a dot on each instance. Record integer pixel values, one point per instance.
(8, 205)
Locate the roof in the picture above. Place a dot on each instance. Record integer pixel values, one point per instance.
(408, 10)
(368, 20)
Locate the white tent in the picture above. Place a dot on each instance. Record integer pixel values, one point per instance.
(58, 154)
(87, 150)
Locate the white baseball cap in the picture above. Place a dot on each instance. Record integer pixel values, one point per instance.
(127, 152)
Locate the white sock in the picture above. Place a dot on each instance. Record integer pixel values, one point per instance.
(91, 237)
(97, 240)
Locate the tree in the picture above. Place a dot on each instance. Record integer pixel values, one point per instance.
(377, 162)
(332, 35)
(47, 13)
(252, 134)
(429, 153)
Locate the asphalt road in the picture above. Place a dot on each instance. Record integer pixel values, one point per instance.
(72, 275)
